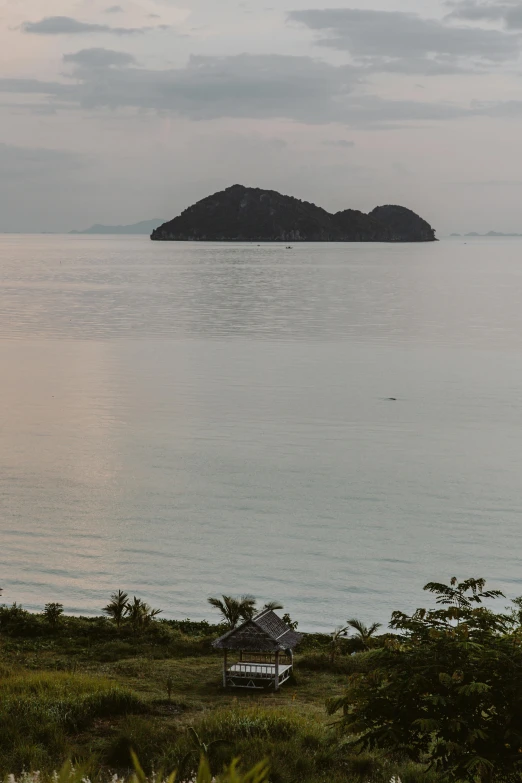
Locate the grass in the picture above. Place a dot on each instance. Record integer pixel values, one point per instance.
(87, 692)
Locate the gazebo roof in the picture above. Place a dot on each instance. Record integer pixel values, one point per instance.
(265, 632)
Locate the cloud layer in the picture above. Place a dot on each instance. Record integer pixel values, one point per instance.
(99, 58)
(510, 13)
(242, 86)
(67, 25)
(405, 42)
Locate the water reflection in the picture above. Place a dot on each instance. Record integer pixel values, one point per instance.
(179, 420)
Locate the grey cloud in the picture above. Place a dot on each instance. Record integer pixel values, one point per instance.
(248, 86)
(406, 42)
(510, 14)
(114, 9)
(30, 87)
(254, 86)
(66, 25)
(25, 162)
(339, 143)
(99, 58)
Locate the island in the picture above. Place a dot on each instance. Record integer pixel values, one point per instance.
(143, 227)
(241, 214)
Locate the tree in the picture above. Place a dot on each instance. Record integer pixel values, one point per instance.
(52, 613)
(117, 607)
(140, 613)
(461, 594)
(291, 623)
(335, 642)
(446, 690)
(273, 606)
(233, 610)
(364, 633)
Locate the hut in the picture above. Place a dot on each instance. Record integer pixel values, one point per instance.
(264, 651)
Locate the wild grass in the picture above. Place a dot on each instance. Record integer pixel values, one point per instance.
(40, 711)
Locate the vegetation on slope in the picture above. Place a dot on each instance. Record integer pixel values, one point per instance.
(441, 693)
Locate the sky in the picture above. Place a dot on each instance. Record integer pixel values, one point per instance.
(115, 112)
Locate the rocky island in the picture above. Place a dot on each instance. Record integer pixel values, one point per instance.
(240, 214)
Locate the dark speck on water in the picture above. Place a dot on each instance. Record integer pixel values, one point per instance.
(220, 419)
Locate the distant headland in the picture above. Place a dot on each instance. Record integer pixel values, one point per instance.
(489, 234)
(144, 227)
(240, 214)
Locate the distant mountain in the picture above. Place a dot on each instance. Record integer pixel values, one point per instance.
(145, 227)
(489, 234)
(253, 215)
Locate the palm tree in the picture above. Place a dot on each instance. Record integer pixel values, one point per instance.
(117, 608)
(335, 644)
(364, 633)
(150, 615)
(140, 613)
(234, 609)
(273, 606)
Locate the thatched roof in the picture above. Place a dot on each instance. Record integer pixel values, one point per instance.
(265, 632)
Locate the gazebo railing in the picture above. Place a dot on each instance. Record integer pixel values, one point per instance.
(284, 658)
(251, 669)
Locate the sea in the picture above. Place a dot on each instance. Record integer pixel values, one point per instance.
(330, 426)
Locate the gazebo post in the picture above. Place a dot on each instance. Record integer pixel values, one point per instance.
(276, 683)
(225, 668)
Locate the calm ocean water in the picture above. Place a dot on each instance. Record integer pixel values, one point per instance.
(181, 420)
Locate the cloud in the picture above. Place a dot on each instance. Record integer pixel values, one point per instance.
(99, 58)
(509, 13)
(33, 162)
(301, 89)
(114, 9)
(339, 143)
(66, 25)
(255, 86)
(407, 43)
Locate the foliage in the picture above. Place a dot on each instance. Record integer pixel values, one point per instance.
(79, 774)
(291, 623)
(54, 672)
(140, 613)
(365, 634)
(52, 613)
(199, 750)
(116, 609)
(335, 643)
(273, 606)
(448, 690)
(233, 610)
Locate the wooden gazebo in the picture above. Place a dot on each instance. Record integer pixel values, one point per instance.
(264, 646)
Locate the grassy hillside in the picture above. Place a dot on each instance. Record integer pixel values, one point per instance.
(87, 691)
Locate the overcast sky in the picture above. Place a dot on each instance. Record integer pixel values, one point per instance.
(119, 112)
